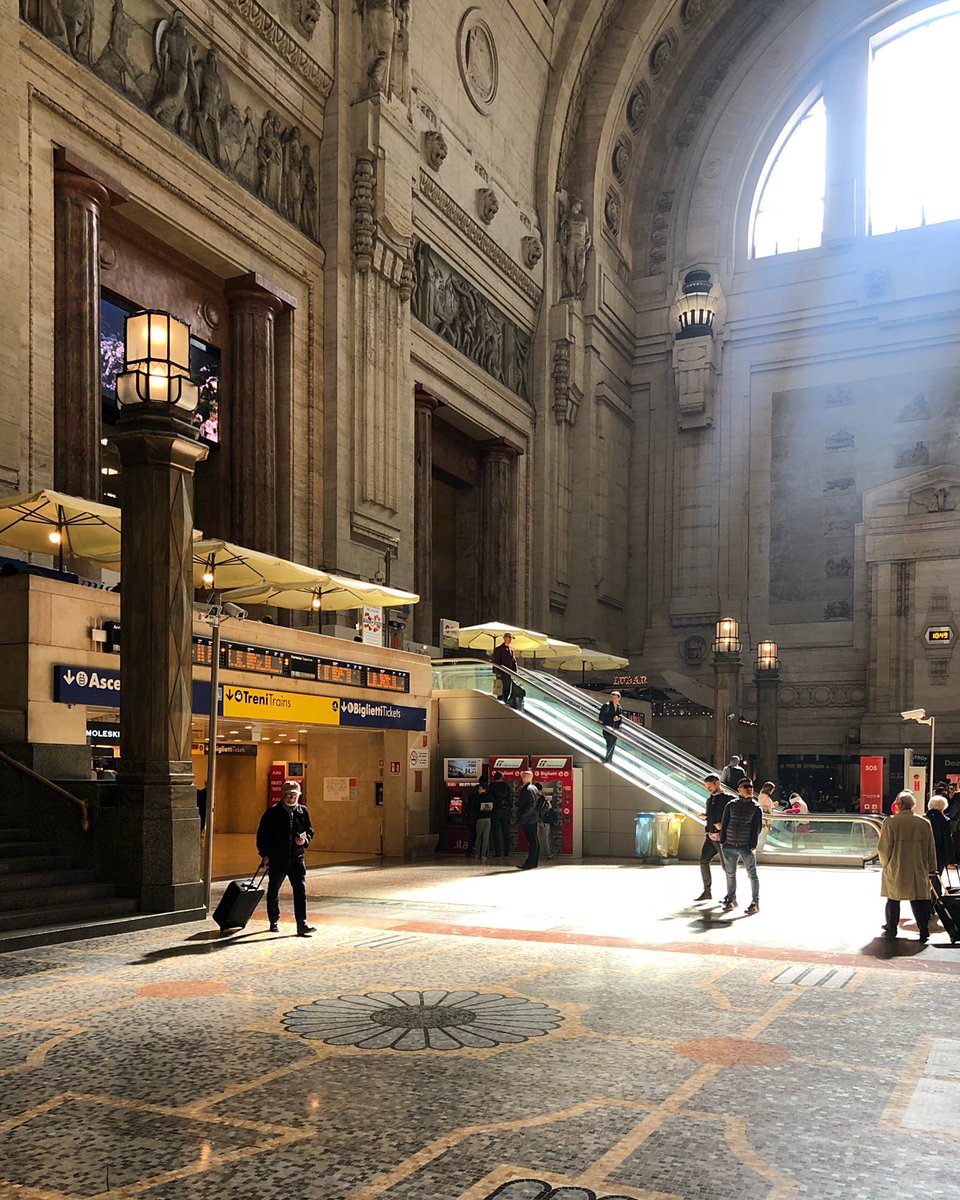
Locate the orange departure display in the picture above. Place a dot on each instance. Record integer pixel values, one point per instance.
(262, 660)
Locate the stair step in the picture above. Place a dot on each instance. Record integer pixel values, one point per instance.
(52, 914)
(19, 849)
(14, 835)
(39, 897)
(40, 862)
(18, 880)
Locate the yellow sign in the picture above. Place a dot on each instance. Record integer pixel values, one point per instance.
(265, 705)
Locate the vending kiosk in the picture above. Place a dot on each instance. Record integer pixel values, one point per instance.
(554, 774)
(460, 778)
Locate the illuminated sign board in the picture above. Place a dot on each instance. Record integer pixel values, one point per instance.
(279, 706)
(939, 635)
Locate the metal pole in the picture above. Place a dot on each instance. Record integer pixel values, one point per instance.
(211, 760)
(933, 727)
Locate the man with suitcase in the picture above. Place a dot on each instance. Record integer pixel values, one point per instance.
(283, 835)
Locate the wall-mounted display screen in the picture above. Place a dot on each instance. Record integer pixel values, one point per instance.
(265, 661)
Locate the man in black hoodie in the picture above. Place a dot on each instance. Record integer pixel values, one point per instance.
(740, 828)
(283, 835)
(717, 801)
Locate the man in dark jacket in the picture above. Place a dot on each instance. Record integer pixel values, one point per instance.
(717, 800)
(283, 835)
(611, 718)
(505, 659)
(733, 772)
(500, 820)
(740, 828)
(528, 806)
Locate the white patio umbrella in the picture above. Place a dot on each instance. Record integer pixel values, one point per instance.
(551, 648)
(487, 635)
(332, 592)
(224, 566)
(49, 522)
(596, 660)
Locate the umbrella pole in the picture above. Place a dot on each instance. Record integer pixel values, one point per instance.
(61, 525)
(211, 763)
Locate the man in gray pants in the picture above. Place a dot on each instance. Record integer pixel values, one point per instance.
(484, 813)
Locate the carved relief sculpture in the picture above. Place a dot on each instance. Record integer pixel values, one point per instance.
(434, 148)
(611, 213)
(916, 455)
(574, 240)
(306, 14)
(532, 250)
(379, 31)
(477, 59)
(487, 204)
(177, 84)
(621, 159)
(114, 65)
(400, 60)
(453, 308)
(187, 91)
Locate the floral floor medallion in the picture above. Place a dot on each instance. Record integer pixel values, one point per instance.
(430, 1020)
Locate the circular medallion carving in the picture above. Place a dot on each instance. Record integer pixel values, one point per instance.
(107, 255)
(209, 313)
(477, 60)
(711, 168)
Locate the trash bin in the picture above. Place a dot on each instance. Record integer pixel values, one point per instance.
(666, 835)
(644, 834)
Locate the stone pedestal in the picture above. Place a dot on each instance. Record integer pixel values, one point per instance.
(79, 199)
(726, 681)
(497, 583)
(423, 625)
(155, 774)
(768, 732)
(250, 422)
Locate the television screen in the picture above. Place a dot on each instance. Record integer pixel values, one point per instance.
(204, 366)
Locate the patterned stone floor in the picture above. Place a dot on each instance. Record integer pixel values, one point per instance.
(449, 1033)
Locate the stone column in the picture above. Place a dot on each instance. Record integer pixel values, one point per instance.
(80, 196)
(250, 416)
(726, 680)
(423, 625)
(768, 724)
(155, 774)
(497, 583)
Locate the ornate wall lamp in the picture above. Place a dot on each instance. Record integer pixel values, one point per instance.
(696, 351)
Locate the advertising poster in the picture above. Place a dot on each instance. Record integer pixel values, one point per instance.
(372, 626)
(278, 773)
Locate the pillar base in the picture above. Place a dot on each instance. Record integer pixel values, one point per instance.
(161, 832)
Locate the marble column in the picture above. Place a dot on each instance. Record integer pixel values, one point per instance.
(423, 625)
(726, 681)
(257, 481)
(768, 724)
(159, 821)
(497, 567)
(80, 196)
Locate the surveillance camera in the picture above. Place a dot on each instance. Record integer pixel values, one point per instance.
(235, 611)
(914, 714)
(731, 716)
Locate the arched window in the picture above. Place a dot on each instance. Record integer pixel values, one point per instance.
(913, 172)
(788, 212)
(885, 110)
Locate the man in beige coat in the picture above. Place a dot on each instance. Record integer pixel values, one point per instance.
(908, 857)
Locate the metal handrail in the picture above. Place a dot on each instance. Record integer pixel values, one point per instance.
(50, 786)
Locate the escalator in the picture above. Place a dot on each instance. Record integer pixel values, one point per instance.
(666, 777)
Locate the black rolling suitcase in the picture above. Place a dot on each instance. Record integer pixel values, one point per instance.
(239, 902)
(946, 904)
(517, 697)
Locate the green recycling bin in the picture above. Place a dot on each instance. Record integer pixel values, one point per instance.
(644, 835)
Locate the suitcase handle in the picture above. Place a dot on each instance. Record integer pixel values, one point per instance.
(260, 870)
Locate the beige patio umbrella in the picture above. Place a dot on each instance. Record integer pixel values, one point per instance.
(596, 660)
(331, 592)
(487, 635)
(551, 648)
(49, 522)
(226, 567)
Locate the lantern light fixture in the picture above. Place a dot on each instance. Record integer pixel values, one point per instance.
(157, 363)
(767, 659)
(696, 306)
(315, 602)
(727, 640)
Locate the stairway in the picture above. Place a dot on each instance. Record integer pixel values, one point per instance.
(40, 889)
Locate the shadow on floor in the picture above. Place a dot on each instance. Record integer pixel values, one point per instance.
(204, 942)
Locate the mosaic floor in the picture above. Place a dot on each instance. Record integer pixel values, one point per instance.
(452, 1033)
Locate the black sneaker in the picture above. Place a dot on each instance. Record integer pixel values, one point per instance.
(751, 909)
(729, 905)
(888, 932)
(306, 930)
(707, 895)
(274, 927)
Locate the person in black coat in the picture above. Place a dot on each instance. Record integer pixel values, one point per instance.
(611, 718)
(500, 822)
(282, 836)
(942, 834)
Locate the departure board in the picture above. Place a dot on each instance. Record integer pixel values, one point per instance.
(265, 661)
(253, 658)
